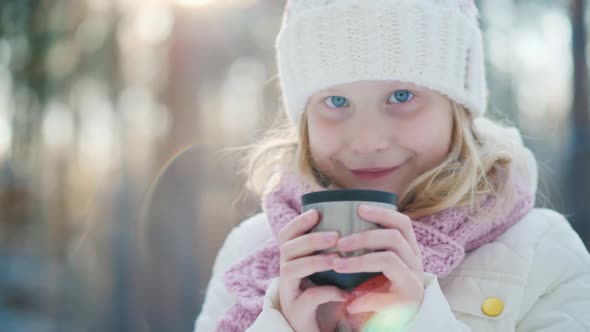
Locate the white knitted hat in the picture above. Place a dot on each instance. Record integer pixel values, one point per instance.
(433, 43)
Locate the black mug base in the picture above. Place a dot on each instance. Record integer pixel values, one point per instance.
(346, 281)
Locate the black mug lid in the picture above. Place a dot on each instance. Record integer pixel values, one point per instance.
(336, 195)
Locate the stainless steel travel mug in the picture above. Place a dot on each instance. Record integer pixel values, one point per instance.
(338, 212)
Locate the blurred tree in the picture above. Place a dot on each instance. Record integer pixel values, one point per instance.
(23, 24)
(19, 27)
(38, 290)
(502, 97)
(578, 163)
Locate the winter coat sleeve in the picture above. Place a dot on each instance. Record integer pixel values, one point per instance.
(557, 292)
(240, 241)
(271, 318)
(559, 282)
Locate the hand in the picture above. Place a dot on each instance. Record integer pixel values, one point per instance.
(398, 258)
(308, 309)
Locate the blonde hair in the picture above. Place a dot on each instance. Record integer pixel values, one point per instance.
(474, 167)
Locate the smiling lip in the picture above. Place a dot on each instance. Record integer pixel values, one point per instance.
(373, 173)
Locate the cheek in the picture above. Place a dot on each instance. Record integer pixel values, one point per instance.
(429, 143)
(323, 140)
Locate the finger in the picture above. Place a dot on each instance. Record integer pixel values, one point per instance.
(308, 244)
(306, 266)
(396, 270)
(382, 239)
(298, 226)
(389, 218)
(312, 298)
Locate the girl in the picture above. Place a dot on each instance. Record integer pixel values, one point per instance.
(390, 95)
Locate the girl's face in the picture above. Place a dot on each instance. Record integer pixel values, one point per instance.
(356, 127)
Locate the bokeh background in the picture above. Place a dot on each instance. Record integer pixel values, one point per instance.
(114, 198)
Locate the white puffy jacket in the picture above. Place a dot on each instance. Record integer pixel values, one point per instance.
(539, 269)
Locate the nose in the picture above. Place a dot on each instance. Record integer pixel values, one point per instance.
(369, 136)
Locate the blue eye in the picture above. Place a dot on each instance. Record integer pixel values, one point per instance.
(336, 101)
(401, 96)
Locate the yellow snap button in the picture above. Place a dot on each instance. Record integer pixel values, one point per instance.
(492, 306)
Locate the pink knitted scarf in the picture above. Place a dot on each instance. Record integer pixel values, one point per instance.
(443, 239)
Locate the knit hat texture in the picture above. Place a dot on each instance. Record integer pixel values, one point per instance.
(436, 44)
